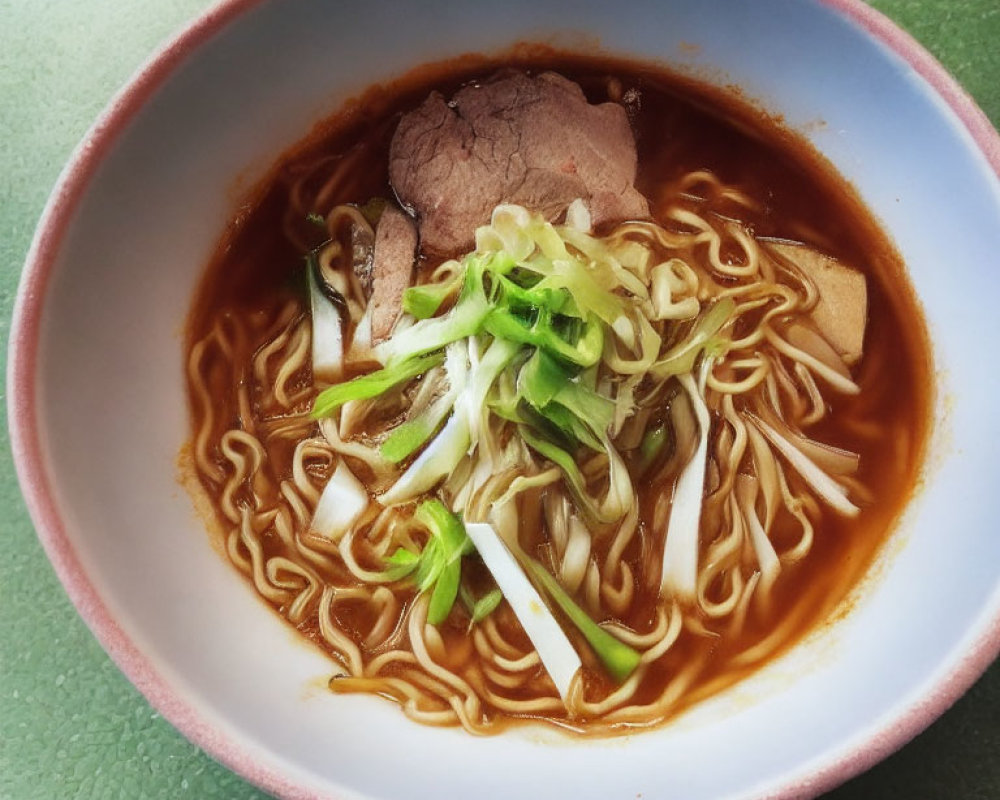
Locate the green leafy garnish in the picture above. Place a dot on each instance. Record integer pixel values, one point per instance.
(407, 438)
(373, 384)
(618, 658)
(423, 301)
(438, 567)
(653, 442)
(480, 609)
(564, 400)
(582, 345)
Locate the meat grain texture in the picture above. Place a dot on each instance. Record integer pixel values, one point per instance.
(515, 138)
(392, 269)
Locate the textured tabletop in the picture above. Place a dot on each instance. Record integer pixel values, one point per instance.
(70, 725)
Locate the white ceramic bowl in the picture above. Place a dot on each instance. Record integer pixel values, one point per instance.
(98, 411)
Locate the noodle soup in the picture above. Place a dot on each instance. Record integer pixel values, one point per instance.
(609, 449)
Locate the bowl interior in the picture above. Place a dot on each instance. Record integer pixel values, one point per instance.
(111, 413)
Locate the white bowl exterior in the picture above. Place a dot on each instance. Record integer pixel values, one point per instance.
(112, 408)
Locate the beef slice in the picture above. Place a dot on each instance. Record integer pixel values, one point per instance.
(515, 138)
(392, 269)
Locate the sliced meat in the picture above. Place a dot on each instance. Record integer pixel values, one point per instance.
(841, 312)
(392, 269)
(531, 140)
(363, 246)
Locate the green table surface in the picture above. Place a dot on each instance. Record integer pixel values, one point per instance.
(70, 724)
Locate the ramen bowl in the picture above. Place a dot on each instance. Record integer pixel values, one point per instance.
(99, 412)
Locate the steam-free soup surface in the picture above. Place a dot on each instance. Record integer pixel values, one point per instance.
(252, 310)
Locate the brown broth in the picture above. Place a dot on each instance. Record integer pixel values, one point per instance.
(680, 126)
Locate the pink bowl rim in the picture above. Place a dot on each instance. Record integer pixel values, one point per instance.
(33, 476)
